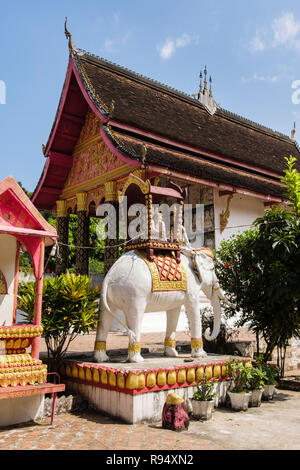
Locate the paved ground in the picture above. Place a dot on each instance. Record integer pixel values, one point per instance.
(275, 425)
(115, 341)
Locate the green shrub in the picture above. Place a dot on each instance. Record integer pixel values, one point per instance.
(271, 371)
(260, 270)
(69, 308)
(258, 378)
(240, 374)
(205, 390)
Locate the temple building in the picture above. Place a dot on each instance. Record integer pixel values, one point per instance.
(112, 123)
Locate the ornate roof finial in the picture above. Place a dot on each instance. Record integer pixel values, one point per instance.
(69, 37)
(200, 88)
(293, 131)
(204, 95)
(205, 80)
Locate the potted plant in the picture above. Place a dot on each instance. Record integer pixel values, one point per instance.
(203, 399)
(239, 393)
(256, 385)
(271, 371)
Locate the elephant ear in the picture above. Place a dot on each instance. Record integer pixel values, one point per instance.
(205, 267)
(206, 262)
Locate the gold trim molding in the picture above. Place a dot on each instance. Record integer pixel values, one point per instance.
(111, 194)
(134, 179)
(93, 183)
(61, 208)
(81, 201)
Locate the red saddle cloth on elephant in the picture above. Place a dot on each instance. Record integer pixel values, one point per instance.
(167, 274)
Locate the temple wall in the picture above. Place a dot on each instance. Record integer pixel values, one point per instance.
(243, 211)
(7, 265)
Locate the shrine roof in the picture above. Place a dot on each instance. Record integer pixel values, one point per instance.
(18, 216)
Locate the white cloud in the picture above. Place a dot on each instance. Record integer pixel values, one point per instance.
(168, 49)
(284, 31)
(257, 44)
(113, 45)
(285, 28)
(116, 18)
(261, 78)
(183, 40)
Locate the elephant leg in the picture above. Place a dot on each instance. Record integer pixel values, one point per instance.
(134, 314)
(195, 321)
(104, 323)
(170, 342)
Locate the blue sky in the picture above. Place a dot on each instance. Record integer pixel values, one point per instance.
(251, 49)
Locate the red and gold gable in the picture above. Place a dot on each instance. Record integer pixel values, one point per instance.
(91, 156)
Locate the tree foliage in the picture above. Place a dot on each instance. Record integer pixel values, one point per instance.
(96, 250)
(69, 308)
(260, 270)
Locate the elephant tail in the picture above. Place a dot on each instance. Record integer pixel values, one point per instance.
(210, 336)
(131, 334)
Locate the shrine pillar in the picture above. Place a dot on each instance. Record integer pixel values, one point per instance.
(111, 251)
(62, 226)
(82, 253)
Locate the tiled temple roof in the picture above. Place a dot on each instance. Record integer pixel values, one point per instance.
(149, 105)
(179, 132)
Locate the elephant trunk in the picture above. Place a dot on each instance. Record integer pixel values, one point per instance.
(217, 319)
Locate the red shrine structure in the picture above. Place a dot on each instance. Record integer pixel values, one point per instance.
(22, 374)
(112, 123)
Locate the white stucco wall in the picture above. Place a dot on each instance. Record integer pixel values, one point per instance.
(243, 211)
(7, 265)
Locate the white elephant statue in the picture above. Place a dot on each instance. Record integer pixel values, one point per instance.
(128, 287)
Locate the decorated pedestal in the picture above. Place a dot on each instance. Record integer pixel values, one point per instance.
(18, 367)
(137, 393)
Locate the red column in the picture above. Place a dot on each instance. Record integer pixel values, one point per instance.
(35, 350)
(16, 280)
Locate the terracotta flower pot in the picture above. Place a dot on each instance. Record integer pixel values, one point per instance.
(239, 401)
(255, 398)
(268, 392)
(202, 409)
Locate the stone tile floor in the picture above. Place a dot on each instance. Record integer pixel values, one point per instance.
(275, 425)
(90, 430)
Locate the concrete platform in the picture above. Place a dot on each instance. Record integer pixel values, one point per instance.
(21, 404)
(137, 392)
